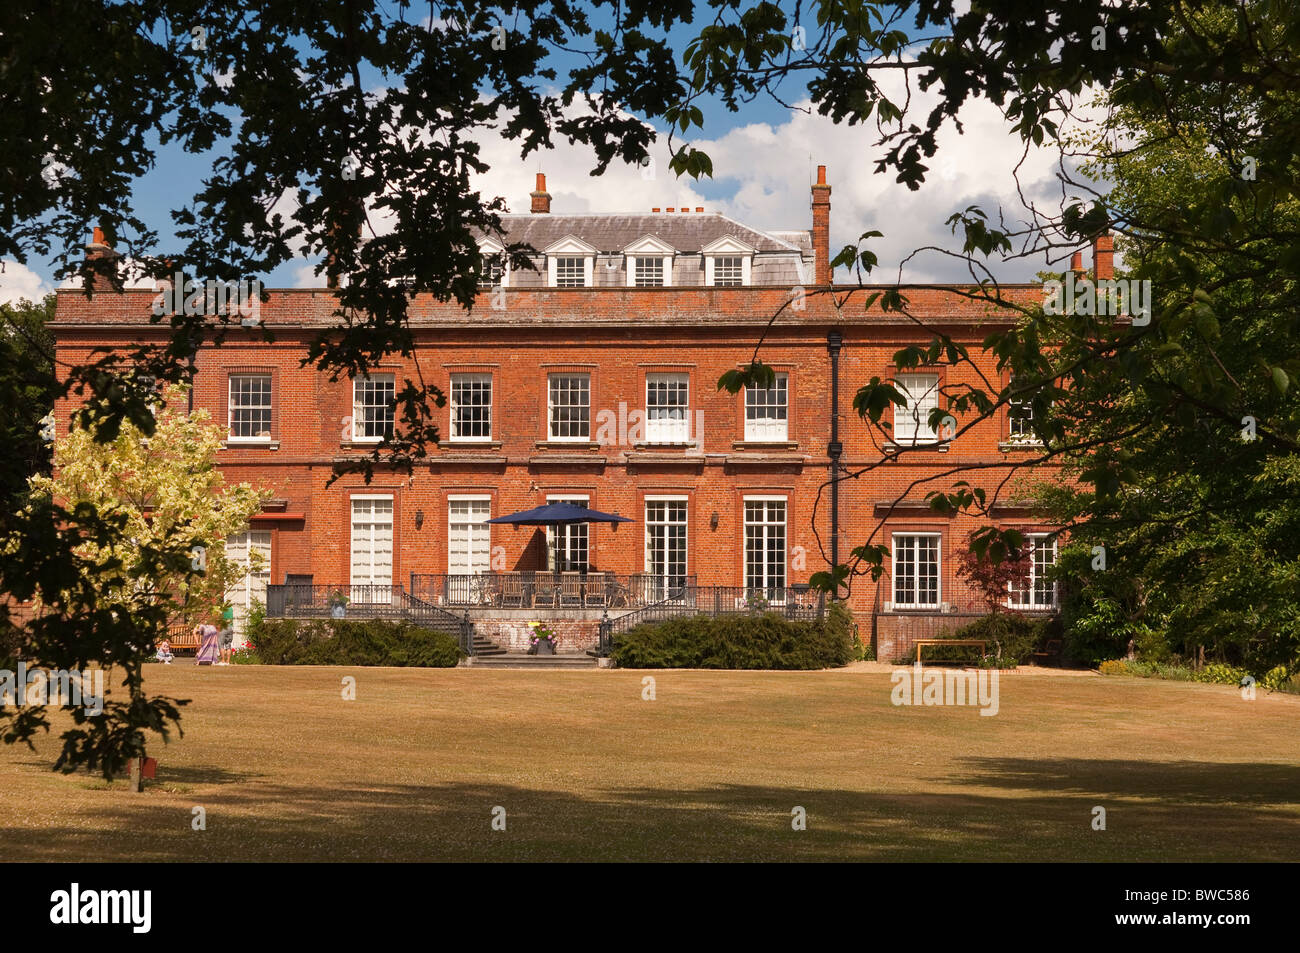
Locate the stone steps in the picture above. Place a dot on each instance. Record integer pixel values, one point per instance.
(523, 660)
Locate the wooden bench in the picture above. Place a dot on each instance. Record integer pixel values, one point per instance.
(1051, 651)
(983, 645)
(183, 639)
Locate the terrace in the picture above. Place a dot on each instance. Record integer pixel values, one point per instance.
(495, 608)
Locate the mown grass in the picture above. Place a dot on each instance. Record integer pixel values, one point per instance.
(711, 769)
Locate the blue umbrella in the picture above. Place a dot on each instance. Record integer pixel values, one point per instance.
(556, 514)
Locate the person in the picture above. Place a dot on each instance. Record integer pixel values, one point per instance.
(165, 652)
(208, 651)
(227, 634)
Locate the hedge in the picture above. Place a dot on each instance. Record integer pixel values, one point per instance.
(766, 641)
(352, 642)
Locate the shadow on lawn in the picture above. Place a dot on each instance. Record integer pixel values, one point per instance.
(1176, 781)
(1155, 812)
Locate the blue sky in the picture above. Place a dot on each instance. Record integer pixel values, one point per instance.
(764, 159)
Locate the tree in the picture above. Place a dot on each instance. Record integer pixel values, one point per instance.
(165, 562)
(27, 388)
(993, 574)
(355, 143)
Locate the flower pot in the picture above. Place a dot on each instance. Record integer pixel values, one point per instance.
(544, 647)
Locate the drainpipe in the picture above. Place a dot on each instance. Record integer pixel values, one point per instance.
(834, 341)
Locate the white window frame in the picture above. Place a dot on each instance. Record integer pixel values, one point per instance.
(767, 583)
(670, 430)
(244, 592)
(650, 568)
(357, 416)
(581, 530)
(469, 377)
(911, 423)
(553, 269)
(472, 550)
(1026, 435)
(727, 247)
(491, 249)
(230, 407)
(916, 588)
(664, 269)
(1036, 577)
(550, 408)
(391, 522)
(769, 429)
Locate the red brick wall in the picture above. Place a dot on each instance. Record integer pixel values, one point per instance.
(619, 335)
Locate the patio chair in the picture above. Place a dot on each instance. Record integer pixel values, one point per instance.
(594, 590)
(546, 590)
(512, 591)
(570, 589)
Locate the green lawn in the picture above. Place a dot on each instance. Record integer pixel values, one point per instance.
(711, 769)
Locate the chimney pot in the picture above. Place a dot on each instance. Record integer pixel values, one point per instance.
(673, 209)
(655, 210)
(98, 238)
(699, 208)
(1076, 262)
(541, 198)
(685, 208)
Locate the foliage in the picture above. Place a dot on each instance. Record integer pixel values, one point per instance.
(403, 102)
(1275, 679)
(352, 642)
(164, 491)
(27, 389)
(993, 573)
(767, 641)
(1013, 635)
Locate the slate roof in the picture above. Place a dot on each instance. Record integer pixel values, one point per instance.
(688, 232)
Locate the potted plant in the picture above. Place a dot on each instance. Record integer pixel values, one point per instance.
(542, 640)
(338, 604)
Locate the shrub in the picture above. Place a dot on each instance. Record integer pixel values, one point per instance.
(1016, 636)
(1113, 666)
(352, 642)
(767, 641)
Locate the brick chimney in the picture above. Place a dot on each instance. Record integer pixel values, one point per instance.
(101, 259)
(821, 230)
(1103, 257)
(541, 198)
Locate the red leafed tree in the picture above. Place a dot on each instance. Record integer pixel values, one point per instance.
(992, 568)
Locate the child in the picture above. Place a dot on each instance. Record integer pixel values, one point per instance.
(165, 652)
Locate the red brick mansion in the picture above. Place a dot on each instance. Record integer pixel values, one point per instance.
(593, 378)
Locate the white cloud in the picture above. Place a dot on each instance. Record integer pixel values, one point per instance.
(766, 172)
(18, 282)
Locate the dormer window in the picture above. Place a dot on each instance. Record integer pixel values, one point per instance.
(649, 272)
(728, 272)
(570, 263)
(649, 263)
(570, 273)
(728, 263)
(492, 269)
